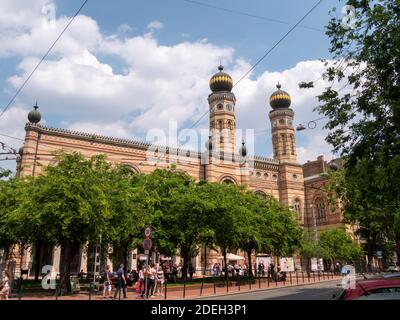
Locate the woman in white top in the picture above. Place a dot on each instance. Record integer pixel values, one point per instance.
(5, 290)
(160, 280)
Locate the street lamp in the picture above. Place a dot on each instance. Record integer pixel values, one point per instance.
(312, 124)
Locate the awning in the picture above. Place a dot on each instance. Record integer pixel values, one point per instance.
(231, 257)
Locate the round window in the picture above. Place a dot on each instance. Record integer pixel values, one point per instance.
(266, 175)
(274, 176)
(258, 174)
(220, 107)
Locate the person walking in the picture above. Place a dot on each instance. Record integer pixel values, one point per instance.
(149, 279)
(154, 280)
(142, 283)
(5, 285)
(160, 280)
(121, 282)
(107, 283)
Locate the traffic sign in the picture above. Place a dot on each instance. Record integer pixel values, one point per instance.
(147, 244)
(147, 232)
(146, 252)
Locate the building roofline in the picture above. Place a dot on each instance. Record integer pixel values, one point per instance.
(261, 161)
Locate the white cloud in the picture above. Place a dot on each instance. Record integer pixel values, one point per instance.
(159, 83)
(155, 25)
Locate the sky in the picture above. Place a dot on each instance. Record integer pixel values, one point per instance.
(124, 68)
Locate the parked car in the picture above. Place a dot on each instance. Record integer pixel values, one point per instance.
(371, 289)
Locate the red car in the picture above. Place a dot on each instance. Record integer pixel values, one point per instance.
(372, 289)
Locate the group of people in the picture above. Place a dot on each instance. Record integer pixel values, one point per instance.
(5, 285)
(233, 269)
(148, 282)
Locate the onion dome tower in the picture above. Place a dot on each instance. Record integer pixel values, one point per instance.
(281, 117)
(34, 116)
(222, 114)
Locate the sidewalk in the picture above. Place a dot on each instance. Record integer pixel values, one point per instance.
(193, 291)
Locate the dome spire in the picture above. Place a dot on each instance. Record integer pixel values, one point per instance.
(280, 99)
(221, 81)
(34, 115)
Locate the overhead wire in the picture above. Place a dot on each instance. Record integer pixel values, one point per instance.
(41, 60)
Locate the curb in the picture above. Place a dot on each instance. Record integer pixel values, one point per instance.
(256, 290)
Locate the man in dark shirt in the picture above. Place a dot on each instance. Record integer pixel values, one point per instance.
(121, 283)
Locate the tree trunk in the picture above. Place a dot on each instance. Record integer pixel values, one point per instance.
(309, 267)
(186, 258)
(225, 264)
(250, 266)
(70, 250)
(38, 259)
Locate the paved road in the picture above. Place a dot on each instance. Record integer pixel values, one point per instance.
(318, 291)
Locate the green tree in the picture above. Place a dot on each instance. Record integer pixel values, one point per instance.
(364, 115)
(67, 206)
(337, 244)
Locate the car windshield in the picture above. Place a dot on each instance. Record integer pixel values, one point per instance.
(381, 296)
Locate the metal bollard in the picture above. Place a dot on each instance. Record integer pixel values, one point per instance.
(215, 289)
(90, 291)
(302, 276)
(290, 277)
(184, 288)
(165, 290)
(297, 278)
(314, 276)
(202, 284)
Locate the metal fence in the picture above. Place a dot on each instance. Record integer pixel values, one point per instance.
(180, 289)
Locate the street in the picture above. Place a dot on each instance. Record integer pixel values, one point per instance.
(318, 291)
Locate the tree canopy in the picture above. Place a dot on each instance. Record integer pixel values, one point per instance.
(362, 106)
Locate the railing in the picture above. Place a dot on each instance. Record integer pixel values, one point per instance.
(180, 289)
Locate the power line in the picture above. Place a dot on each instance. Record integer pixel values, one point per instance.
(11, 137)
(266, 54)
(250, 15)
(41, 60)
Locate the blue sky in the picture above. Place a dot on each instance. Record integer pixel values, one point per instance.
(125, 67)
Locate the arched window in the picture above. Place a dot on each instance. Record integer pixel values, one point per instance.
(227, 180)
(297, 208)
(320, 209)
(260, 194)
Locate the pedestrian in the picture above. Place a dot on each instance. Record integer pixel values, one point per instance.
(121, 282)
(142, 277)
(160, 280)
(5, 285)
(244, 269)
(149, 279)
(155, 280)
(107, 283)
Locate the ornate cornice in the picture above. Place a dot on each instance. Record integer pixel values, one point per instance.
(257, 161)
(128, 143)
(222, 96)
(281, 112)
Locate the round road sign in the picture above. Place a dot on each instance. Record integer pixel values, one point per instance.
(147, 232)
(147, 244)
